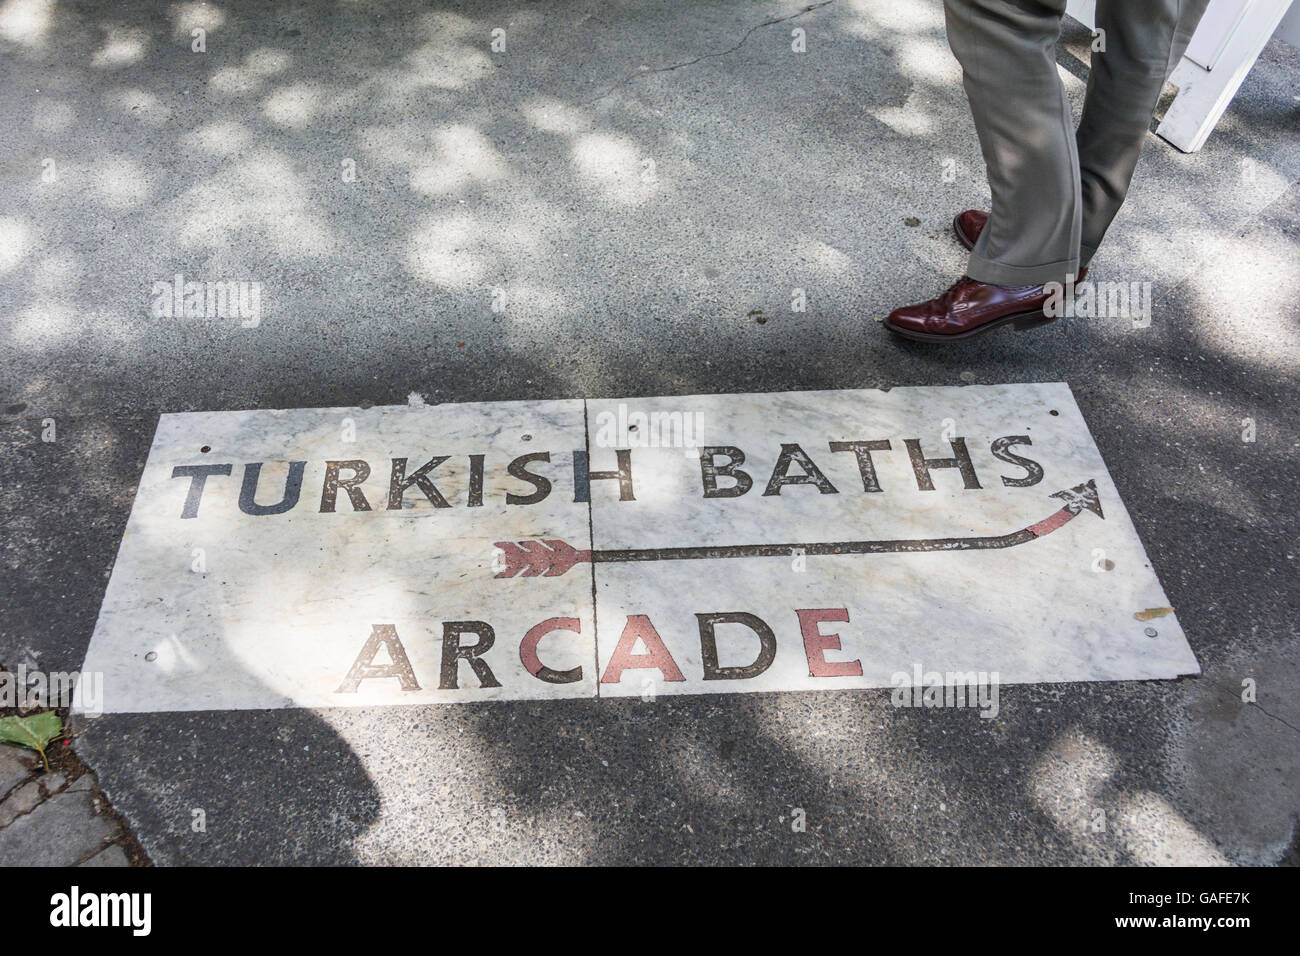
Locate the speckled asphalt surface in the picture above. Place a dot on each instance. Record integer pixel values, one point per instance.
(639, 180)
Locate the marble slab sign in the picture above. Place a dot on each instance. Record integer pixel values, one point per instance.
(358, 592)
(866, 539)
(727, 543)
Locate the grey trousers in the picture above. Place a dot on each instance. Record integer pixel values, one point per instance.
(1055, 191)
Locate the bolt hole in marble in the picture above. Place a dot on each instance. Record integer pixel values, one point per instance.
(789, 541)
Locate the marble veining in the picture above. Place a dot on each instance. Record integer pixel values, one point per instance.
(407, 555)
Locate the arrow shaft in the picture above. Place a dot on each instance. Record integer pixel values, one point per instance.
(554, 557)
(903, 545)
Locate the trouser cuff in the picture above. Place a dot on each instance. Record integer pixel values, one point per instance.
(997, 273)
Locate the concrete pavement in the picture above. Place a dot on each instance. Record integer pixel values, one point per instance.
(643, 189)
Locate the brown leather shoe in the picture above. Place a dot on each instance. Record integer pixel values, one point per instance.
(968, 225)
(967, 309)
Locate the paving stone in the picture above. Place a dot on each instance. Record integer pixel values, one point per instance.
(15, 765)
(53, 782)
(112, 855)
(729, 587)
(867, 573)
(23, 800)
(59, 832)
(329, 641)
(85, 782)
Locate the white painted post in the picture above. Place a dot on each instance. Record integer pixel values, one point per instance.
(1085, 11)
(1224, 48)
(1204, 93)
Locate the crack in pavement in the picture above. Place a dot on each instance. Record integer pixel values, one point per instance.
(1280, 720)
(1255, 704)
(706, 56)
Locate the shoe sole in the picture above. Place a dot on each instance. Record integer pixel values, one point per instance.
(1020, 320)
(964, 239)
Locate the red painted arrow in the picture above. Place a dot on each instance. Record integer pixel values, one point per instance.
(552, 557)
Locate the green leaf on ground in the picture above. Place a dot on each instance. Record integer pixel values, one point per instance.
(35, 731)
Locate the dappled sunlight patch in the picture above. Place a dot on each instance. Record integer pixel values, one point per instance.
(927, 58)
(221, 137)
(120, 182)
(1152, 830)
(450, 253)
(463, 250)
(45, 323)
(262, 194)
(871, 18)
(444, 24)
(466, 793)
(465, 156)
(908, 120)
(1069, 785)
(447, 67)
(27, 22)
(122, 47)
(243, 640)
(529, 305)
(56, 320)
(15, 242)
(267, 61)
(293, 106)
(190, 16)
(1074, 784)
(555, 116)
(825, 259)
(170, 655)
(1245, 278)
(913, 32)
(140, 105)
(616, 167)
(267, 172)
(248, 77)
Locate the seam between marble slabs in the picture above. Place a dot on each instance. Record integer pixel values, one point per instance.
(591, 544)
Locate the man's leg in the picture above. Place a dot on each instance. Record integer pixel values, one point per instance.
(1007, 50)
(1048, 215)
(1144, 40)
